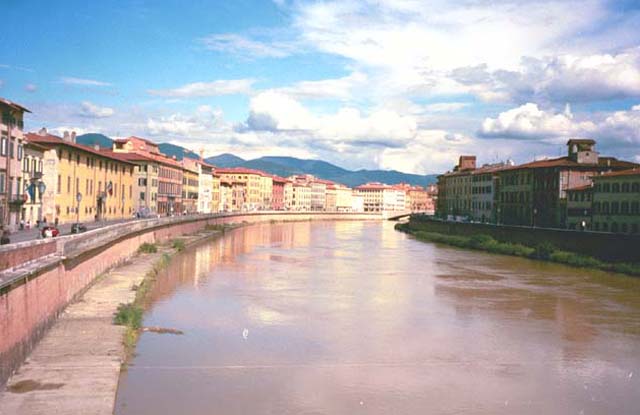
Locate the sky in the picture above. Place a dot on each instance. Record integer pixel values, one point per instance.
(393, 84)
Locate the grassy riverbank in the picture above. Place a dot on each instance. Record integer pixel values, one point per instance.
(543, 251)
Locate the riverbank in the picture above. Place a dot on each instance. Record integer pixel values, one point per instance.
(543, 251)
(76, 366)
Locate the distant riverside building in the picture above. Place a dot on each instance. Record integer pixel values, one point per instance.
(379, 197)
(278, 192)
(530, 194)
(205, 188)
(11, 153)
(339, 198)
(102, 181)
(300, 197)
(216, 195)
(616, 202)
(190, 185)
(257, 184)
(162, 176)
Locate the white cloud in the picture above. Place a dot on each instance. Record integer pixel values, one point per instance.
(90, 110)
(244, 46)
(446, 106)
(565, 78)
(207, 89)
(67, 80)
(616, 130)
(275, 111)
(339, 88)
(204, 119)
(531, 123)
(31, 87)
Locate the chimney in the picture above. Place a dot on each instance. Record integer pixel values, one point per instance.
(42, 131)
(65, 136)
(467, 163)
(96, 147)
(73, 136)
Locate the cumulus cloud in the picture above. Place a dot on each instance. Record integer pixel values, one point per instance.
(207, 89)
(204, 119)
(90, 110)
(565, 78)
(615, 130)
(67, 80)
(276, 111)
(31, 87)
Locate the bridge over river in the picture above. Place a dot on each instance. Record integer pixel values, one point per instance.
(356, 318)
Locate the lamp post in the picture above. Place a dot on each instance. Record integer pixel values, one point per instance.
(78, 199)
(535, 214)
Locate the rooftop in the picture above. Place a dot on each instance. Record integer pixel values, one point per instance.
(50, 139)
(13, 105)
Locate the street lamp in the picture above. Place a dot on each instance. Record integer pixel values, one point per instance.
(78, 199)
(535, 213)
(41, 188)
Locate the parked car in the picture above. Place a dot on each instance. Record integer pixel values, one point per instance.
(145, 213)
(50, 232)
(78, 228)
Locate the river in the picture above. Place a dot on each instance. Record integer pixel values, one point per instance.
(357, 318)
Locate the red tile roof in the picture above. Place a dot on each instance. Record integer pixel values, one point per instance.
(14, 105)
(49, 139)
(630, 172)
(240, 170)
(143, 157)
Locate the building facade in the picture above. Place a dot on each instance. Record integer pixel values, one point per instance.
(34, 185)
(83, 184)
(12, 195)
(616, 202)
(190, 185)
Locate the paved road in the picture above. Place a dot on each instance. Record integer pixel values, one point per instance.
(65, 229)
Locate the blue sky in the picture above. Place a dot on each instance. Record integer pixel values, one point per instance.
(402, 84)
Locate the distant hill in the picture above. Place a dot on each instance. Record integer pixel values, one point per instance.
(287, 166)
(91, 139)
(178, 151)
(225, 160)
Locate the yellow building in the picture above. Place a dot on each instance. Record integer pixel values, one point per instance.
(266, 192)
(83, 184)
(252, 181)
(215, 194)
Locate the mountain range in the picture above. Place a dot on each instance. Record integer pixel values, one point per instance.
(281, 166)
(288, 166)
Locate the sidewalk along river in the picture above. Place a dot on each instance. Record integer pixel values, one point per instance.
(357, 318)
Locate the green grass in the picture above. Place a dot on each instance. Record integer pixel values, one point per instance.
(178, 245)
(544, 251)
(147, 248)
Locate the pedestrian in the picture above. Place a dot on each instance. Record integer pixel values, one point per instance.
(55, 222)
(28, 225)
(21, 224)
(4, 240)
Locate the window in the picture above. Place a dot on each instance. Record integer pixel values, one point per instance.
(20, 152)
(3, 146)
(68, 184)
(615, 208)
(59, 187)
(625, 187)
(624, 208)
(615, 188)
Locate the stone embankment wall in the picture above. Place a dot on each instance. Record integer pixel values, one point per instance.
(39, 278)
(602, 245)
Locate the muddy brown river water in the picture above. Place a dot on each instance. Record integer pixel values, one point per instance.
(356, 318)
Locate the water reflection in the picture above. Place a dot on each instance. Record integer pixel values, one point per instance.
(353, 317)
